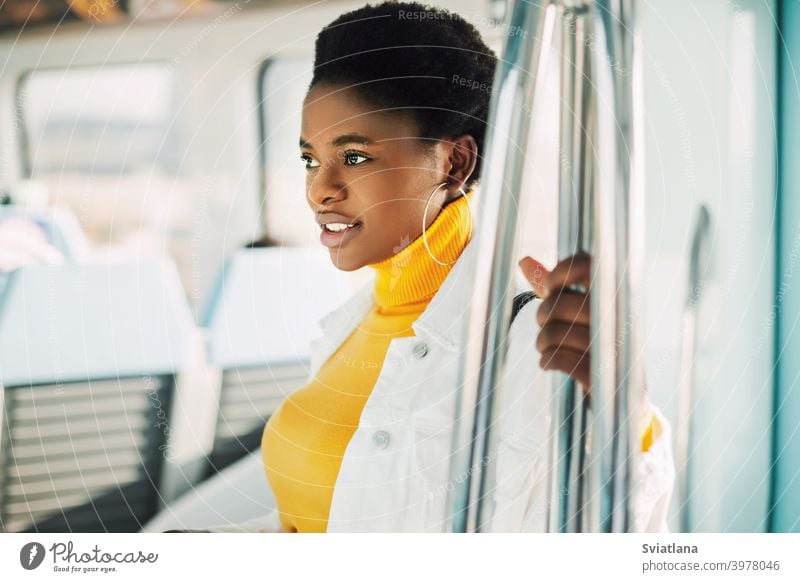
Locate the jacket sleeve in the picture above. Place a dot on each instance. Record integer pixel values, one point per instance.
(654, 481)
(521, 499)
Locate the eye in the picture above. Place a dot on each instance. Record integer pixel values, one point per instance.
(354, 158)
(309, 161)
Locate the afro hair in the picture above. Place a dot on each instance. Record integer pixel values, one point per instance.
(413, 59)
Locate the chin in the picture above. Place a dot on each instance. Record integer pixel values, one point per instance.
(344, 263)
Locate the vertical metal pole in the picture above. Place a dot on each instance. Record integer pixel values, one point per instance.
(571, 407)
(617, 366)
(595, 470)
(490, 306)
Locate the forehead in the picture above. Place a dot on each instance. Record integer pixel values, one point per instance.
(332, 111)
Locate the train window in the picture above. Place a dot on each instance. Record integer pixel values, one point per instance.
(286, 214)
(99, 141)
(109, 120)
(105, 143)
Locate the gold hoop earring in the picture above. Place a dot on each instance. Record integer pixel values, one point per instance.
(425, 217)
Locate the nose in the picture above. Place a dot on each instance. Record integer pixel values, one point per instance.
(325, 188)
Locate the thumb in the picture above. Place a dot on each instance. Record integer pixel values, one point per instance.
(536, 274)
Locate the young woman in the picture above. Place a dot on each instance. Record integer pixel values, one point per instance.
(392, 141)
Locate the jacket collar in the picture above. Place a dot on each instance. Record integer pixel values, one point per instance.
(342, 320)
(438, 320)
(443, 319)
(446, 316)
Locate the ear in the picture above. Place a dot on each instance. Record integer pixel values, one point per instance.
(462, 159)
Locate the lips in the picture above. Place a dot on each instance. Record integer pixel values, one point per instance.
(337, 229)
(334, 218)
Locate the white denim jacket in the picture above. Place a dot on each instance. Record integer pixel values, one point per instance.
(394, 475)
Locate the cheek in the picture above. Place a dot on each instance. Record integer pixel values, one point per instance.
(393, 202)
(400, 216)
(387, 198)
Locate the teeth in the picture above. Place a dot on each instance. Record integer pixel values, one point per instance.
(338, 227)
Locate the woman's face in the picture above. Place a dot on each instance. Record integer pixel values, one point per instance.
(369, 170)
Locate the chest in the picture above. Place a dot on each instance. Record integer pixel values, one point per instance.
(395, 474)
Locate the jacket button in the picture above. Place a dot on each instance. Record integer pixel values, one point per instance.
(380, 439)
(420, 350)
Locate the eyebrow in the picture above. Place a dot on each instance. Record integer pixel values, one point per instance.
(340, 140)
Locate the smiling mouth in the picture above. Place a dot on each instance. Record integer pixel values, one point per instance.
(337, 234)
(337, 227)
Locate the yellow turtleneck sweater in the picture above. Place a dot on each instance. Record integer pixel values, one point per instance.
(304, 441)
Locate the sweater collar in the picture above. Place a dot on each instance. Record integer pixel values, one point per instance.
(412, 276)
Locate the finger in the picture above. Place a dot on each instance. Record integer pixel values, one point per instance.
(555, 336)
(574, 270)
(536, 274)
(565, 306)
(576, 364)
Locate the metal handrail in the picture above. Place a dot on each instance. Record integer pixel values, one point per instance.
(617, 271)
(570, 430)
(490, 306)
(601, 197)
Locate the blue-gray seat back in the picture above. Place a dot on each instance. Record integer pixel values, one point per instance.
(88, 359)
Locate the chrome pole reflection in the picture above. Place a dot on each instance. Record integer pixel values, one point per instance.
(683, 437)
(570, 428)
(617, 269)
(490, 306)
(601, 208)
